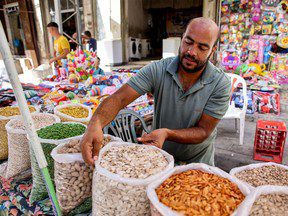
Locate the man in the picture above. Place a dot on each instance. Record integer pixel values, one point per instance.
(191, 96)
(98, 70)
(61, 44)
(91, 42)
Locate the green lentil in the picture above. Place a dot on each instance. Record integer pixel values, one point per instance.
(61, 131)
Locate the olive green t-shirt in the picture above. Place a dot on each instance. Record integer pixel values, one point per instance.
(176, 109)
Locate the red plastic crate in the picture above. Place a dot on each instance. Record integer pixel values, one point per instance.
(269, 141)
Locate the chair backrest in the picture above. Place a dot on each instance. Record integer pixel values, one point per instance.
(124, 126)
(235, 81)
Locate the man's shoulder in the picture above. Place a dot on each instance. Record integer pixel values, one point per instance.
(159, 65)
(220, 74)
(63, 38)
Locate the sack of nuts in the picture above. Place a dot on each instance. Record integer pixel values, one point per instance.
(18, 143)
(73, 178)
(260, 174)
(121, 176)
(196, 189)
(6, 114)
(73, 113)
(50, 137)
(265, 200)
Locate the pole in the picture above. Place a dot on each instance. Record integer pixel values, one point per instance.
(78, 23)
(31, 131)
(58, 16)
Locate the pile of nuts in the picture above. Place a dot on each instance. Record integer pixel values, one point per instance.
(135, 161)
(270, 204)
(75, 111)
(112, 197)
(265, 175)
(74, 146)
(18, 143)
(195, 192)
(73, 184)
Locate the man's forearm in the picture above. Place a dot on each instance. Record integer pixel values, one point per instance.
(60, 57)
(194, 135)
(106, 111)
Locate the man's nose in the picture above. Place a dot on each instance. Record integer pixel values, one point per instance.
(192, 50)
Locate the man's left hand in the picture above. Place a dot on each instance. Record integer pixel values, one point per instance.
(155, 138)
(51, 61)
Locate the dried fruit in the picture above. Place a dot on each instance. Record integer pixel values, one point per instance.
(195, 192)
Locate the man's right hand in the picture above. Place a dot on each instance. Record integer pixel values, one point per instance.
(91, 143)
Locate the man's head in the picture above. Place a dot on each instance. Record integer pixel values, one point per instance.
(86, 35)
(97, 62)
(53, 29)
(198, 44)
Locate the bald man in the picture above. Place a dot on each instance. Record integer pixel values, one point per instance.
(191, 96)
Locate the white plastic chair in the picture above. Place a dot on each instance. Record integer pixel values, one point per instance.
(238, 113)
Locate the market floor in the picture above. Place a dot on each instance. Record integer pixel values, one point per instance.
(230, 154)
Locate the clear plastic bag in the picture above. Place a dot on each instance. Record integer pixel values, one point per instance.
(236, 170)
(39, 191)
(113, 194)
(246, 206)
(3, 133)
(73, 178)
(68, 118)
(18, 143)
(159, 209)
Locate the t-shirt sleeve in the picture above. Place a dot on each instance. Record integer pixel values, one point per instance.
(144, 81)
(65, 43)
(218, 102)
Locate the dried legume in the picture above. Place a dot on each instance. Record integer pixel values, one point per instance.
(6, 114)
(61, 131)
(76, 112)
(270, 204)
(195, 192)
(55, 134)
(19, 157)
(265, 175)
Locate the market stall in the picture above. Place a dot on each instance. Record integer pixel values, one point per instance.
(253, 44)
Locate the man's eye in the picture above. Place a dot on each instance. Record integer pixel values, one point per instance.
(188, 41)
(203, 48)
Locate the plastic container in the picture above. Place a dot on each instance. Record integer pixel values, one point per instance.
(269, 141)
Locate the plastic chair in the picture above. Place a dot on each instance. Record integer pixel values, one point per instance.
(123, 126)
(238, 113)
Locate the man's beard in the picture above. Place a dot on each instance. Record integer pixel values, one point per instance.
(199, 64)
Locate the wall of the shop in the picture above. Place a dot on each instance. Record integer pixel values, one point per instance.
(137, 19)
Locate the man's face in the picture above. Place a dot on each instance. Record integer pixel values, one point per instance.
(51, 31)
(197, 46)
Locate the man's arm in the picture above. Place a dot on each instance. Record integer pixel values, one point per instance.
(92, 140)
(111, 106)
(65, 53)
(193, 135)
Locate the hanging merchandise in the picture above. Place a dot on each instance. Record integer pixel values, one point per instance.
(230, 59)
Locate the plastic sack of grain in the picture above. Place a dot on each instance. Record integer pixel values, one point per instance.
(6, 114)
(260, 174)
(121, 176)
(50, 137)
(18, 143)
(73, 113)
(73, 178)
(265, 200)
(196, 189)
